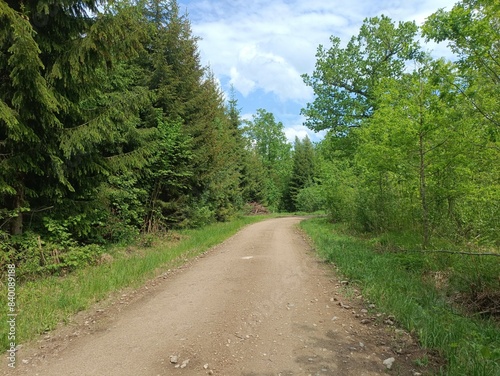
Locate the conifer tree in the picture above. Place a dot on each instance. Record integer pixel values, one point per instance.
(303, 169)
(204, 182)
(268, 140)
(54, 59)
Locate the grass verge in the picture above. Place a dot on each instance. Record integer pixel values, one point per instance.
(43, 303)
(396, 283)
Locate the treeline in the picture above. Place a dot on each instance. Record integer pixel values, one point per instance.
(110, 126)
(413, 141)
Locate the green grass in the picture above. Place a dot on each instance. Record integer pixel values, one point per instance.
(43, 303)
(398, 283)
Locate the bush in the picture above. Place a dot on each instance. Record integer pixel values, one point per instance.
(201, 216)
(310, 199)
(35, 257)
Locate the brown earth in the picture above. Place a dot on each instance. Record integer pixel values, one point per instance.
(259, 304)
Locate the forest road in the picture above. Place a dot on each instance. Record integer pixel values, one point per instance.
(260, 303)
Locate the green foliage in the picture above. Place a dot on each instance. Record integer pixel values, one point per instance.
(471, 29)
(310, 199)
(167, 176)
(254, 177)
(35, 258)
(303, 170)
(345, 78)
(121, 130)
(416, 149)
(56, 73)
(339, 183)
(201, 215)
(126, 199)
(266, 138)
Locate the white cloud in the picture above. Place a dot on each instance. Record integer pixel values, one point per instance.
(268, 44)
(265, 45)
(299, 131)
(259, 67)
(241, 83)
(246, 116)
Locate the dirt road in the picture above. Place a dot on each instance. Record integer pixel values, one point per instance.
(259, 304)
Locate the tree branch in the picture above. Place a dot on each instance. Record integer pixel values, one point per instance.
(454, 252)
(476, 106)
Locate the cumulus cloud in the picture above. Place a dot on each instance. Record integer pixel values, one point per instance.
(299, 131)
(260, 67)
(265, 45)
(259, 45)
(296, 128)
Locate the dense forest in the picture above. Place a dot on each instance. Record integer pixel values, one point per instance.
(110, 126)
(413, 141)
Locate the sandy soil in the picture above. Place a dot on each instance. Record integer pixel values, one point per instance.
(259, 304)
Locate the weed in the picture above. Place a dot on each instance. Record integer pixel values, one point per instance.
(422, 362)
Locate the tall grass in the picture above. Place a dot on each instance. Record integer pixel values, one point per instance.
(397, 283)
(44, 303)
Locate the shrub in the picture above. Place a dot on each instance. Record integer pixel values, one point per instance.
(310, 199)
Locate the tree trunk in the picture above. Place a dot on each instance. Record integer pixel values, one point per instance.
(16, 225)
(422, 171)
(423, 193)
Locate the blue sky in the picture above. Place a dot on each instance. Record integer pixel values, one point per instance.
(262, 47)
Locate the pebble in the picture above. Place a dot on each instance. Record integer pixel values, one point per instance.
(388, 362)
(344, 305)
(173, 359)
(185, 363)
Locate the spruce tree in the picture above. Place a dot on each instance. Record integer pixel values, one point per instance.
(303, 169)
(54, 64)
